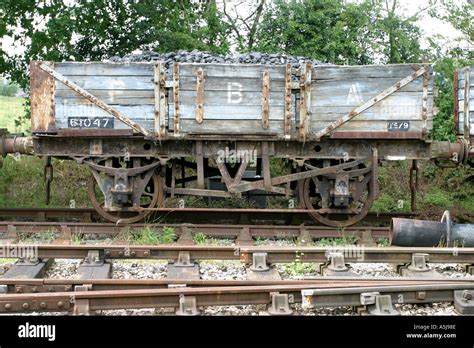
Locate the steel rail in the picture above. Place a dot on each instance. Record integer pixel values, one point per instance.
(14, 285)
(352, 253)
(83, 301)
(295, 216)
(216, 230)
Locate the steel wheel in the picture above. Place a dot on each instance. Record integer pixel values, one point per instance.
(314, 194)
(151, 197)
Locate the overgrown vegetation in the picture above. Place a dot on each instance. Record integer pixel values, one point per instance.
(150, 236)
(7, 89)
(297, 268)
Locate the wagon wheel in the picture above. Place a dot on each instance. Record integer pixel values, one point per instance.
(152, 196)
(314, 193)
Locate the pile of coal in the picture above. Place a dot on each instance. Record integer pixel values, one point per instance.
(206, 57)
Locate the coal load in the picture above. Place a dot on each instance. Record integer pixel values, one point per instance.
(206, 57)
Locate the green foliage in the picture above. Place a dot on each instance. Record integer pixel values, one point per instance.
(299, 268)
(200, 238)
(11, 110)
(99, 29)
(383, 242)
(326, 30)
(7, 88)
(445, 66)
(343, 240)
(340, 32)
(22, 183)
(150, 236)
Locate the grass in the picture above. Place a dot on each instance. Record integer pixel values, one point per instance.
(200, 238)
(22, 183)
(11, 108)
(298, 268)
(150, 236)
(344, 240)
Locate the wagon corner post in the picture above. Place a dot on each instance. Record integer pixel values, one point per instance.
(42, 87)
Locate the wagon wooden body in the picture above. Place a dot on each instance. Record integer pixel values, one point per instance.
(199, 100)
(142, 128)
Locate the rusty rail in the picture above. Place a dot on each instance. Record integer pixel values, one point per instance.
(195, 215)
(354, 254)
(14, 229)
(84, 300)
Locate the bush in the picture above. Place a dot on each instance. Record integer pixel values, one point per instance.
(7, 88)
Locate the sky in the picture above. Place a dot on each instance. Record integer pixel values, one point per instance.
(429, 26)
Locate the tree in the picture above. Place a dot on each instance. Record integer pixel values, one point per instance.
(244, 28)
(340, 33)
(448, 56)
(99, 29)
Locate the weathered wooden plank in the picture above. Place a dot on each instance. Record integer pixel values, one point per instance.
(399, 71)
(461, 82)
(216, 127)
(461, 125)
(235, 84)
(109, 100)
(109, 82)
(64, 110)
(393, 100)
(225, 98)
(240, 112)
(361, 86)
(461, 93)
(367, 116)
(471, 116)
(111, 94)
(229, 71)
(95, 69)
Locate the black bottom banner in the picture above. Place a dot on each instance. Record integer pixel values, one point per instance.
(39, 331)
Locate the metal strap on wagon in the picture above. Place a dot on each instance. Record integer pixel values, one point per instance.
(265, 98)
(288, 113)
(467, 121)
(200, 96)
(176, 99)
(305, 101)
(160, 100)
(369, 103)
(99, 103)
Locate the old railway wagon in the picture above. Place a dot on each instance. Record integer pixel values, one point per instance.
(141, 129)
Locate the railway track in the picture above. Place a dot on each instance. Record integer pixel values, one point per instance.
(197, 215)
(183, 292)
(243, 234)
(245, 254)
(375, 296)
